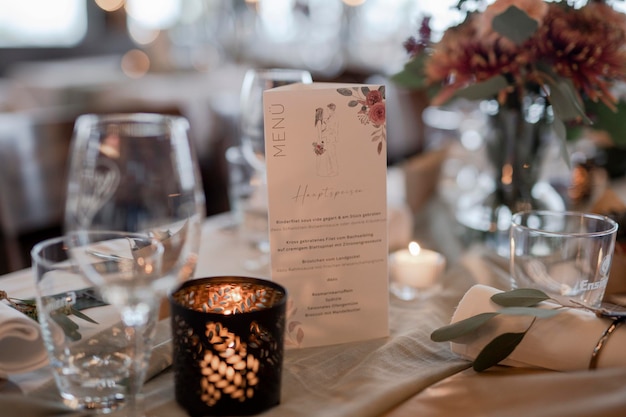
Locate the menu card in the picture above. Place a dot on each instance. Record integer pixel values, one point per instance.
(325, 147)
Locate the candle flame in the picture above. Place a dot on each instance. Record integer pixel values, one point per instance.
(236, 295)
(414, 248)
(235, 298)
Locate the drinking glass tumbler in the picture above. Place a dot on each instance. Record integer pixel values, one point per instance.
(567, 255)
(87, 348)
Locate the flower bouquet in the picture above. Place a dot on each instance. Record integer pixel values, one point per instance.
(570, 55)
(539, 66)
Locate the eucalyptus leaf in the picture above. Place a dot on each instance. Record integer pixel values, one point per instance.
(515, 24)
(529, 311)
(25, 301)
(412, 75)
(461, 328)
(344, 91)
(520, 297)
(564, 98)
(565, 101)
(85, 299)
(69, 327)
(484, 89)
(497, 350)
(83, 316)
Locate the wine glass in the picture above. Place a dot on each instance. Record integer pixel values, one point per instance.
(251, 101)
(133, 217)
(254, 205)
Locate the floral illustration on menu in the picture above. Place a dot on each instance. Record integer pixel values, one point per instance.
(371, 110)
(325, 148)
(318, 148)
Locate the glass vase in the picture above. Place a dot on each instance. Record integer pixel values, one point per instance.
(524, 166)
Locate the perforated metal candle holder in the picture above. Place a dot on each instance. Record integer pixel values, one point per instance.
(228, 345)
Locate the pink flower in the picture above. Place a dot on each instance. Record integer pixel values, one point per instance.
(373, 97)
(377, 114)
(318, 148)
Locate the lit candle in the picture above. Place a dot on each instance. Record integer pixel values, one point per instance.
(228, 335)
(414, 269)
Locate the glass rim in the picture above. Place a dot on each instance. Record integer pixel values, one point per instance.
(133, 117)
(72, 236)
(611, 228)
(39, 247)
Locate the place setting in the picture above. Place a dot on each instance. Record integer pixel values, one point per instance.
(268, 246)
(118, 308)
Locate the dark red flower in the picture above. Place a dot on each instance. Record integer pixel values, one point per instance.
(373, 97)
(586, 46)
(377, 113)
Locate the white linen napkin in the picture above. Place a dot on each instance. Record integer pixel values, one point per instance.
(563, 342)
(21, 343)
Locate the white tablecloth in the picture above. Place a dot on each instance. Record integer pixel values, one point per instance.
(403, 375)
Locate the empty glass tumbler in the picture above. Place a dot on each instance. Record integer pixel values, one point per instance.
(567, 255)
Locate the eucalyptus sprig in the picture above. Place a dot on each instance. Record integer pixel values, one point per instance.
(60, 316)
(518, 302)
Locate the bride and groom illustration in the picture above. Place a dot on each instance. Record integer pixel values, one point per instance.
(325, 147)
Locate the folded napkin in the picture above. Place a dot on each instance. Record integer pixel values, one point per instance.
(21, 345)
(563, 342)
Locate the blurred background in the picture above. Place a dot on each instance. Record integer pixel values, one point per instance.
(62, 58)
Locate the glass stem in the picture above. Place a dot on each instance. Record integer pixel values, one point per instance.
(139, 332)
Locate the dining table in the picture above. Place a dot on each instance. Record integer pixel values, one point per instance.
(405, 374)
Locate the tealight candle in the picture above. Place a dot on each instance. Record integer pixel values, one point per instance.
(414, 269)
(227, 335)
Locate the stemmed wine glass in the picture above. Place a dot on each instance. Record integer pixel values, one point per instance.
(254, 208)
(256, 81)
(133, 218)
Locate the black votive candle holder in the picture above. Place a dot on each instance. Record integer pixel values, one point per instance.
(228, 345)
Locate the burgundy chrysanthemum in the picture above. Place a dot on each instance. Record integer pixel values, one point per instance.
(462, 58)
(586, 46)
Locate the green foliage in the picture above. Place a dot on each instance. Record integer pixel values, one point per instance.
(483, 90)
(518, 302)
(564, 98)
(461, 328)
(541, 313)
(85, 299)
(515, 24)
(412, 75)
(607, 120)
(521, 297)
(497, 350)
